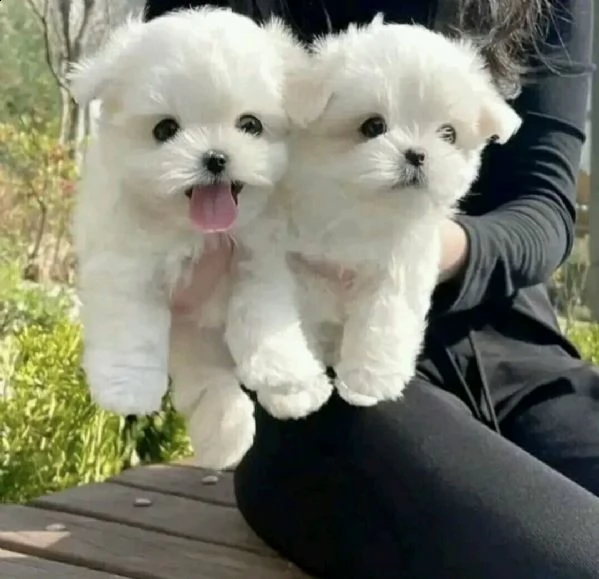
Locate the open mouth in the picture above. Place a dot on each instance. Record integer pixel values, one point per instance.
(214, 207)
(236, 187)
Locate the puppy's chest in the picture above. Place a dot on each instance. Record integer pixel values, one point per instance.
(325, 297)
(362, 239)
(326, 290)
(349, 245)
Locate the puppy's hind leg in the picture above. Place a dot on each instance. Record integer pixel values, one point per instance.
(218, 414)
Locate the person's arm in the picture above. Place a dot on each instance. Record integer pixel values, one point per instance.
(530, 182)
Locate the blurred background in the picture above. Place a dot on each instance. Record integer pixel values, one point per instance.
(51, 435)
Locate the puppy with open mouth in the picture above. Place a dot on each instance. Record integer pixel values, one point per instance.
(190, 146)
(394, 120)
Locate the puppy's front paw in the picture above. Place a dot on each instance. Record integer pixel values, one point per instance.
(286, 370)
(125, 390)
(221, 428)
(363, 387)
(296, 403)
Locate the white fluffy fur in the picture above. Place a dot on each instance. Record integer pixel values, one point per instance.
(135, 241)
(350, 207)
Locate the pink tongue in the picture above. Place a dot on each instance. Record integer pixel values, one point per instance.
(212, 207)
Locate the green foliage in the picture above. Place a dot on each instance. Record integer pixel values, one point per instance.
(26, 304)
(586, 337)
(37, 184)
(26, 81)
(39, 167)
(52, 435)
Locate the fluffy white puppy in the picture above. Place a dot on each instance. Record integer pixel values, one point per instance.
(190, 144)
(395, 119)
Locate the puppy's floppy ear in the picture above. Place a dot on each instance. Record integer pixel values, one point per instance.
(95, 77)
(294, 56)
(307, 92)
(497, 120)
(310, 84)
(304, 90)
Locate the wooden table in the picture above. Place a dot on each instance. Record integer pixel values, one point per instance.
(157, 522)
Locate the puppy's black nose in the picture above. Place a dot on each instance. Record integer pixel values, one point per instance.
(415, 157)
(215, 161)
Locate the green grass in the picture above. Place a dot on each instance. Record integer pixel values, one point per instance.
(51, 435)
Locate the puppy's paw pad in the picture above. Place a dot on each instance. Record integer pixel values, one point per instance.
(285, 405)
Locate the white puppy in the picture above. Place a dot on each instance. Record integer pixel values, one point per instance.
(190, 144)
(395, 119)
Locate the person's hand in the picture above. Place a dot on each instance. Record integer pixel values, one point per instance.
(206, 274)
(454, 251)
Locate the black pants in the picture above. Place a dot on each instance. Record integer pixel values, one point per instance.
(420, 489)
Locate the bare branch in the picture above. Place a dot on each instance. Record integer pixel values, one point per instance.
(43, 20)
(59, 47)
(64, 9)
(39, 14)
(88, 9)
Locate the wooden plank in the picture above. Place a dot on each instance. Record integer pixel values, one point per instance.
(21, 566)
(129, 551)
(167, 514)
(182, 481)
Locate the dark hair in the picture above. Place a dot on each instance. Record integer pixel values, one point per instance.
(506, 31)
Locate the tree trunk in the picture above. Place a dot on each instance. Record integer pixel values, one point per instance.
(65, 116)
(74, 126)
(70, 128)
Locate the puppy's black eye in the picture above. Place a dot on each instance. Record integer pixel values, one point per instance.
(250, 124)
(165, 130)
(373, 127)
(448, 133)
